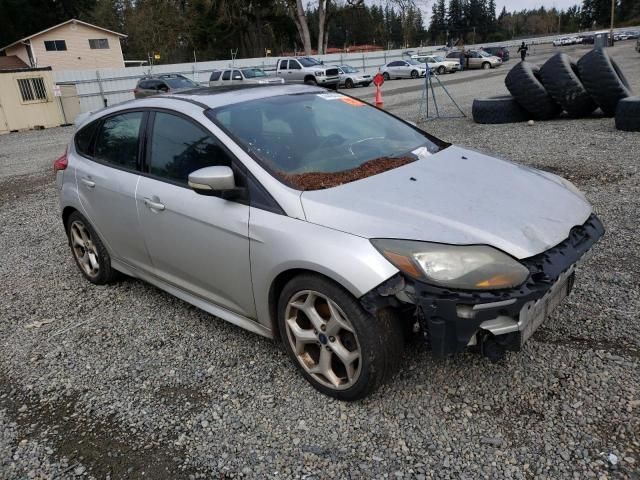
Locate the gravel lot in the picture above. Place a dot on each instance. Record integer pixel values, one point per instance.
(126, 381)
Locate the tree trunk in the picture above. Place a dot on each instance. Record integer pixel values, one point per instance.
(296, 11)
(322, 13)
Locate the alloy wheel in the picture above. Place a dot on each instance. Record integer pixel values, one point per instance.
(323, 339)
(84, 249)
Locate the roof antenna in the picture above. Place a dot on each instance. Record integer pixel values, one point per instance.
(234, 54)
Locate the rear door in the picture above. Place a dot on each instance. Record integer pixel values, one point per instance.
(198, 243)
(107, 181)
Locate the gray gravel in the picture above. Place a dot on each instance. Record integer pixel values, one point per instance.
(126, 381)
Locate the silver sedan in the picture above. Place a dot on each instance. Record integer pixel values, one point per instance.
(316, 219)
(403, 69)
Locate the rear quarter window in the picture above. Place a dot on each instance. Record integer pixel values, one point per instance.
(215, 76)
(84, 137)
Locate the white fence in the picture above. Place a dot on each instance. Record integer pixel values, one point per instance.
(97, 88)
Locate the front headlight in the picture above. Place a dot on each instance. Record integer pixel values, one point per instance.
(570, 186)
(319, 74)
(472, 267)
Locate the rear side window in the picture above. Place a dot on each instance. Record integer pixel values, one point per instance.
(214, 76)
(179, 147)
(117, 140)
(84, 137)
(226, 75)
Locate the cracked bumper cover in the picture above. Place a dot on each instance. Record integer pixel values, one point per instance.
(450, 319)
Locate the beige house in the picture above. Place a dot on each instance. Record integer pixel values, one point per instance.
(71, 45)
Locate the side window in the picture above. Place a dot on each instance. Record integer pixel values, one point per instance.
(215, 76)
(117, 141)
(84, 137)
(294, 65)
(179, 147)
(226, 75)
(144, 84)
(283, 64)
(237, 75)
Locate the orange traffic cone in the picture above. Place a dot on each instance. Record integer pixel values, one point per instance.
(379, 102)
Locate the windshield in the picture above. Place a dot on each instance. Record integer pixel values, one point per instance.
(438, 59)
(253, 73)
(312, 141)
(483, 53)
(413, 62)
(308, 62)
(348, 69)
(179, 82)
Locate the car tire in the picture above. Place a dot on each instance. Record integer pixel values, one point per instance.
(486, 66)
(377, 339)
(603, 79)
(494, 110)
(88, 251)
(523, 83)
(310, 81)
(559, 75)
(628, 114)
(348, 83)
(414, 74)
(367, 84)
(386, 77)
(441, 70)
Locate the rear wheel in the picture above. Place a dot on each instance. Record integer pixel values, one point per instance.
(89, 252)
(342, 350)
(348, 83)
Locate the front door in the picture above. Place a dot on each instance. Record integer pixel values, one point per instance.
(197, 243)
(107, 184)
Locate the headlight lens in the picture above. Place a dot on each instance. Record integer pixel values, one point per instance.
(473, 267)
(319, 74)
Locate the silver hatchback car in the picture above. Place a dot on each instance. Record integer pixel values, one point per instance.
(311, 217)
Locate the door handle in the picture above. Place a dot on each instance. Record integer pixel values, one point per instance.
(88, 183)
(153, 205)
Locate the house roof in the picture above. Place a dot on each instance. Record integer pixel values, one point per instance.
(12, 62)
(72, 20)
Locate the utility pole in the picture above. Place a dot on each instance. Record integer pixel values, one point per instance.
(613, 10)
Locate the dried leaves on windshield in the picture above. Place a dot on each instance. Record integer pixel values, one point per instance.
(321, 180)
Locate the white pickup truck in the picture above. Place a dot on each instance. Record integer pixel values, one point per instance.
(307, 70)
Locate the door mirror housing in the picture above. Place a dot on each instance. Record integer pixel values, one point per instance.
(216, 181)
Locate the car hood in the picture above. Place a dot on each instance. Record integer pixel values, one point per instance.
(458, 197)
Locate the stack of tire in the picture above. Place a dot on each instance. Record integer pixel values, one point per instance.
(542, 93)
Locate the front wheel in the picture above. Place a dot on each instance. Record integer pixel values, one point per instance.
(414, 74)
(348, 83)
(486, 66)
(441, 70)
(386, 77)
(342, 350)
(310, 81)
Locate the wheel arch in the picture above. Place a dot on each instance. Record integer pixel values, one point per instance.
(66, 213)
(309, 77)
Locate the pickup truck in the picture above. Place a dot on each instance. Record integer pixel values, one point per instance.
(307, 70)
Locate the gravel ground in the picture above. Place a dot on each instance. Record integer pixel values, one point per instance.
(126, 381)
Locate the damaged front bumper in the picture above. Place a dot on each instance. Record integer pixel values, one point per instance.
(452, 320)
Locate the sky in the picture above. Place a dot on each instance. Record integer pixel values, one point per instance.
(529, 4)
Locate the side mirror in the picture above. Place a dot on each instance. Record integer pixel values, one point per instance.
(216, 181)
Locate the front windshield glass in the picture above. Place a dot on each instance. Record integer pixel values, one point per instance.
(309, 62)
(413, 62)
(438, 59)
(483, 53)
(348, 69)
(253, 73)
(179, 82)
(312, 141)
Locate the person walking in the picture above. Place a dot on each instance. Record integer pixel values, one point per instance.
(522, 50)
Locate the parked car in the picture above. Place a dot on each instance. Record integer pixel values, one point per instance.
(633, 34)
(158, 84)
(314, 218)
(438, 64)
(501, 52)
(588, 39)
(307, 70)
(241, 75)
(352, 77)
(403, 69)
(476, 59)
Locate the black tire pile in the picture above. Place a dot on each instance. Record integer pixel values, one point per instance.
(577, 88)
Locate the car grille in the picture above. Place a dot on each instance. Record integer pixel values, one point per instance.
(332, 72)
